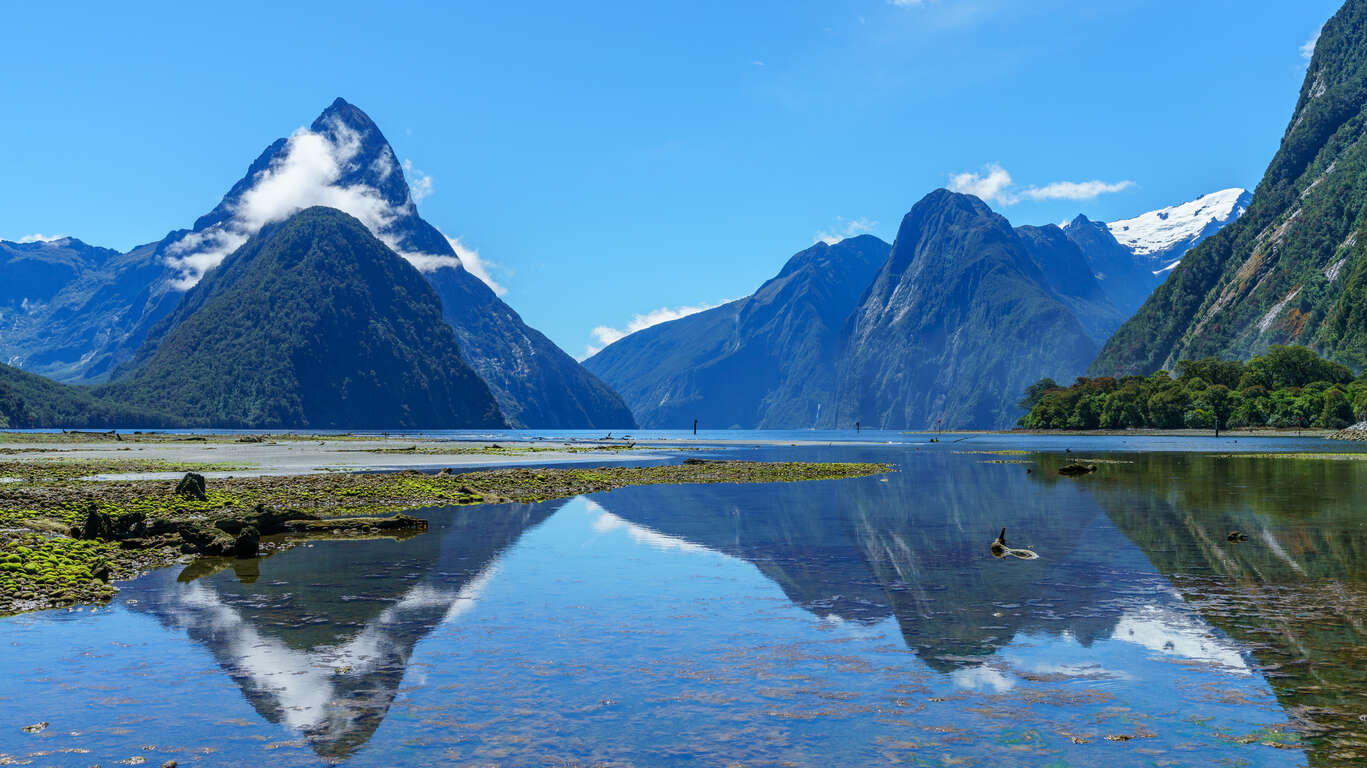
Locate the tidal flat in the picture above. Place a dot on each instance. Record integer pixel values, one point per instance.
(857, 619)
(64, 539)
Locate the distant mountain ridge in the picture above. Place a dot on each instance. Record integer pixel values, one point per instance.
(765, 361)
(1293, 268)
(1165, 235)
(956, 324)
(1132, 257)
(90, 327)
(910, 335)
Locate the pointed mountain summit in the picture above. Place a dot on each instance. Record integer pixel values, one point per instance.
(765, 361)
(955, 325)
(91, 329)
(343, 160)
(1293, 268)
(314, 323)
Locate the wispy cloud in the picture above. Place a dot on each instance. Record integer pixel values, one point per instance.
(845, 228)
(475, 265)
(604, 335)
(995, 184)
(419, 183)
(309, 172)
(1308, 47)
(37, 237)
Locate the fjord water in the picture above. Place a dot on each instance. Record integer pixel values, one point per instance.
(857, 622)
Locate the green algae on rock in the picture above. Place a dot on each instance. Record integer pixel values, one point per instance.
(43, 565)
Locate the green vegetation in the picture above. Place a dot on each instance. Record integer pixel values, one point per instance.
(56, 569)
(1293, 269)
(59, 569)
(1288, 387)
(314, 323)
(28, 400)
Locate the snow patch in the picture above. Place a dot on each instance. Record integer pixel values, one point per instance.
(1164, 229)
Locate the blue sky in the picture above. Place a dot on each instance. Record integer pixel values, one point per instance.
(612, 159)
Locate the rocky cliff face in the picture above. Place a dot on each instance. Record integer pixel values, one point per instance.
(956, 324)
(1293, 268)
(765, 361)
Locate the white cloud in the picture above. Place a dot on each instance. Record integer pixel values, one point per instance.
(996, 185)
(906, 3)
(1075, 190)
(1308, 48)
(470, 259)
(40, 238)
(989, 186)
(307, 173)
(419, 183)
(605, 335)
(845, 228)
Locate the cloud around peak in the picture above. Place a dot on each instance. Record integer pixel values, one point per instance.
(604, 335)
(38, 237)
(845, 229)
(995, 185)
(312, 170)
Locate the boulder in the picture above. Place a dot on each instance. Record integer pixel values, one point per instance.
(130, 525)
(247, 543)
(200, 538)
(192, 487)
(97, 525)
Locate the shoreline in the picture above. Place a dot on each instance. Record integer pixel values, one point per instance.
(64, 542)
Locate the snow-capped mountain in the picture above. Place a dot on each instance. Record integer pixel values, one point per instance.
(1162, 237)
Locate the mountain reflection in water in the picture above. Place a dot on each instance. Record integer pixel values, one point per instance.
(321, 645)
(1293, 595)
(848, 622)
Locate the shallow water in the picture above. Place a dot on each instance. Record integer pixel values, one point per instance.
(853, 622)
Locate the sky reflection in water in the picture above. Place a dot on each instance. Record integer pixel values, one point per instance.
(848, 622)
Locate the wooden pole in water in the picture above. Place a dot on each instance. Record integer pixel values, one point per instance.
(695, 427)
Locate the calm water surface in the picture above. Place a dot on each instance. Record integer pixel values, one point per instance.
(836, 623)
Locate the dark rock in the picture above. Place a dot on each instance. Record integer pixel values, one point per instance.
(247, 543)
(395, 523)
(97, 525)
(192, 487)
(1076, 470)
(269, 520)
(129, 525)
(101, 573)
(200, 538)
(1236, 536)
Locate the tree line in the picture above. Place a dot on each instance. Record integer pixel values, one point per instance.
(1286, 387)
